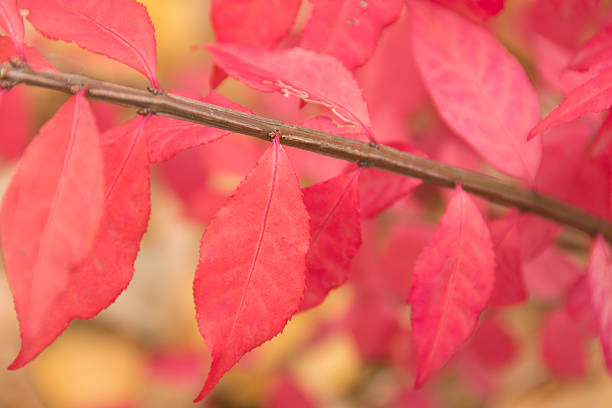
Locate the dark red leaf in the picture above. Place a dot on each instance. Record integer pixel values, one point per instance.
(348, 29)
(309, 76)
(250, 279)
(452, 282)
(118, 29)
(476, 9)
(50, 215)
(333, 207)
(167, 137)
(256, 23)
(467, 71)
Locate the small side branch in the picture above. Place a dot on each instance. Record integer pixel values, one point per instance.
(377, 156)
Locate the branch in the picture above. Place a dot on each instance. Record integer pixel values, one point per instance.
(378, 156)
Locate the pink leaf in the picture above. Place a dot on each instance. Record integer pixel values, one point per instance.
(599, 277)
(312, 77)
(379, 190)
(509, 287)
(551, 60)
(250, 279)
(11, 23)
(256, 23)
(452, 281)
(118, 29)
(563, 346)
(373, 322)
(14, 123)
(536, 234)
(579, 307)
(167, 137)
(493, 345)
(551, 274)
(286, 393)
(595, 95)
(348, 29)
(50, 216)
(34, 59)
(479, 88)
(595, 54)
(333, 207)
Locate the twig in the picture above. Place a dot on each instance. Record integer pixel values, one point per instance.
(377, 156)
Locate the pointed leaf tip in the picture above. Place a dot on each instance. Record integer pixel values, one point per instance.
(452, 281)
(250, 279)
(59, 176)
(120, 29)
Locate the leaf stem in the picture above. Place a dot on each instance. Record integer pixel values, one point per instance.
(378, 156)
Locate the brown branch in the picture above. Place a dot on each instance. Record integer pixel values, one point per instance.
(379, 156)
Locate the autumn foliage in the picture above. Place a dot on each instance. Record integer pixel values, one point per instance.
(432, 78)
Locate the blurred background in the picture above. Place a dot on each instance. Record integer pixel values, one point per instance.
(355, 349)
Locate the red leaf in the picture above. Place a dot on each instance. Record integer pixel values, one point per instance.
(379, 190)
(35, 60)
(11, 23)
(167, 137)
(312, 77)
(348, 29)
(563, 346)
(14, 123)
(256, 23)
(250, 279)
(595, 95)
(452, 281)
(595, 54)
(599, 277)
(509, 287)
(467, 72)
(50, 216)
(333, 207)
(118, 29)
(97, 281)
